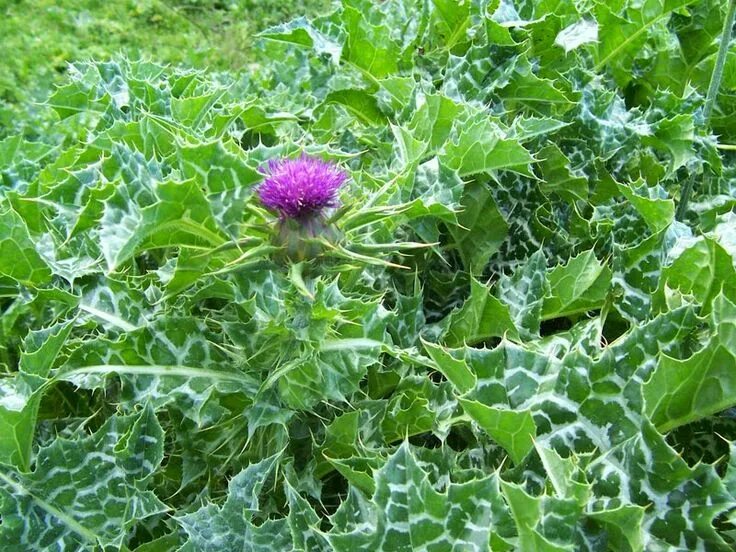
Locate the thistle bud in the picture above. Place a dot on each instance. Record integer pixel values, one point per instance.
(300, 191)
(297, 237)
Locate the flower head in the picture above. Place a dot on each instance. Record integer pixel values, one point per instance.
(300, 188)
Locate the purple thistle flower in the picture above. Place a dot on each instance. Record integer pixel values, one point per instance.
(300, 188)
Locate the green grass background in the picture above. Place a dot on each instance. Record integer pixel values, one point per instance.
(38, 38)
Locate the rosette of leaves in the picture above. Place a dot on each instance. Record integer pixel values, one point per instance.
(508, 343)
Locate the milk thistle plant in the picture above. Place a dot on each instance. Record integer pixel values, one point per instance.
(515, 344)
(301, 190)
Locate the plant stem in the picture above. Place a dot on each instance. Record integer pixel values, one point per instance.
(710, 98)
(717, 75)
(685, 193)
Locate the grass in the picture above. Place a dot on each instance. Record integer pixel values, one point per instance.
(40, 38)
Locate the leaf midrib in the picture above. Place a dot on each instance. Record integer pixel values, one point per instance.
(70, 522)
(633, 37)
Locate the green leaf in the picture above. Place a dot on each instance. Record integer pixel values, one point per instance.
(172, 361)
(85, 491)
(481, 317)
(300, 32)
(21, 160)
(477, 145)
(577, 34)
(304, 523)
(646, 469)
(558, 176)
(565, 474)
(703, 270)
(332, 374)
(657, 212)
(41, 348)
(529, 513)
(527, 128)
(524, 293)
(141, 449)
(455, 19)
(74, 98)
(577, 287)
(191, 110)
(454, 369)
(369, 46)
(321, 368)
(180, 215)
(213, 528)
(636, 270)
(622, 33)
(362, 105)
(676, 136)
(19, 258)
(624, 525)
(480, 230)
(681, 391)
(432, 121)
(514, 430)
(538, 94)
(418, 406)
(505, 286)
(22, 394)
(406, 512)
(227, 179)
